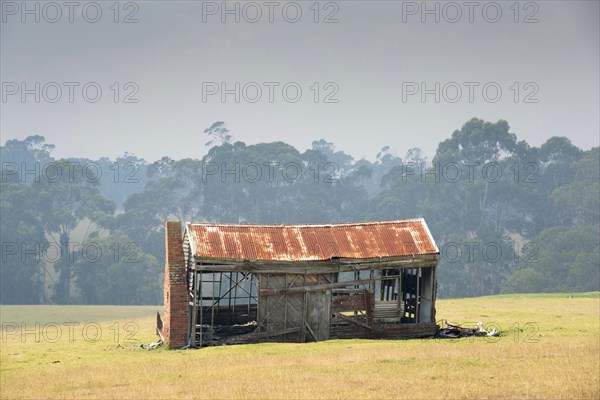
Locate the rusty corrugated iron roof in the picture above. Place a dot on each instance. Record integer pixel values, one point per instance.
(311, 242)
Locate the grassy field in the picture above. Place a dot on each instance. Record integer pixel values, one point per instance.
(549, 349)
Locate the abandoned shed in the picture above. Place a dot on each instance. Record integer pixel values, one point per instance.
(227, 283)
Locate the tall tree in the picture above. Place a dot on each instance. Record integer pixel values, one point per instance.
(219, 134)
(65, 197)
(23, 244)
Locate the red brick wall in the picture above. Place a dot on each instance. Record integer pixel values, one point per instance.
(176, 302)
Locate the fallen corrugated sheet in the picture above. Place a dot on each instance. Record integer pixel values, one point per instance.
(312, 242)
(453, 331)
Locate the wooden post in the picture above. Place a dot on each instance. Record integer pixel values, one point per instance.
(230, 311)
(418, 270)
(369, 311)
(194, 308)
(285, 307)
(304, 311)
(201, 309)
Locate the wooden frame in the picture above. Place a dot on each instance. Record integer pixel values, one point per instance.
(291, 303)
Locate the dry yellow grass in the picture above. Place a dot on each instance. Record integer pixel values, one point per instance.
(556, 355)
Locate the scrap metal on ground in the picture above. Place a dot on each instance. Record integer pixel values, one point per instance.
(453, 331)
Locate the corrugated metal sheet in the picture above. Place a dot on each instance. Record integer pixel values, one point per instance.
(312, 242)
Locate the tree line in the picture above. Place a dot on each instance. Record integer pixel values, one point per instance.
(507, 217)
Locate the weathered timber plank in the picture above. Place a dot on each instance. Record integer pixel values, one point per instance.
(258, 336)
(322, 286)
(403, 331)
(348, 303)
(354, 304)
(347, 291)
(352, 320)
(317, 267)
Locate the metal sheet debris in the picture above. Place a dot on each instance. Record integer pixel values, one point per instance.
(453, 331)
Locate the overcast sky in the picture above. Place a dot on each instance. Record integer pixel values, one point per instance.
(370, 62)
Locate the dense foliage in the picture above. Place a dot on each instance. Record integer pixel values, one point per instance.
(507, 217)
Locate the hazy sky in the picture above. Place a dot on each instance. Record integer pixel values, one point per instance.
(376, 60)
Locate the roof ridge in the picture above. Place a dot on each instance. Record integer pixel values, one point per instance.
(309, 225)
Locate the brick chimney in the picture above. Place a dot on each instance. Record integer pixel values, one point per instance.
(174, 331)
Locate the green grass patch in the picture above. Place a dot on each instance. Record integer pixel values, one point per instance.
(549, 349)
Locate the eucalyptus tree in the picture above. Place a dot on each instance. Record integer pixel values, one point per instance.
(67, 196)
(22, 240)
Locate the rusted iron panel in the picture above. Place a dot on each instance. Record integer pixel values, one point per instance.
(369, 240)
